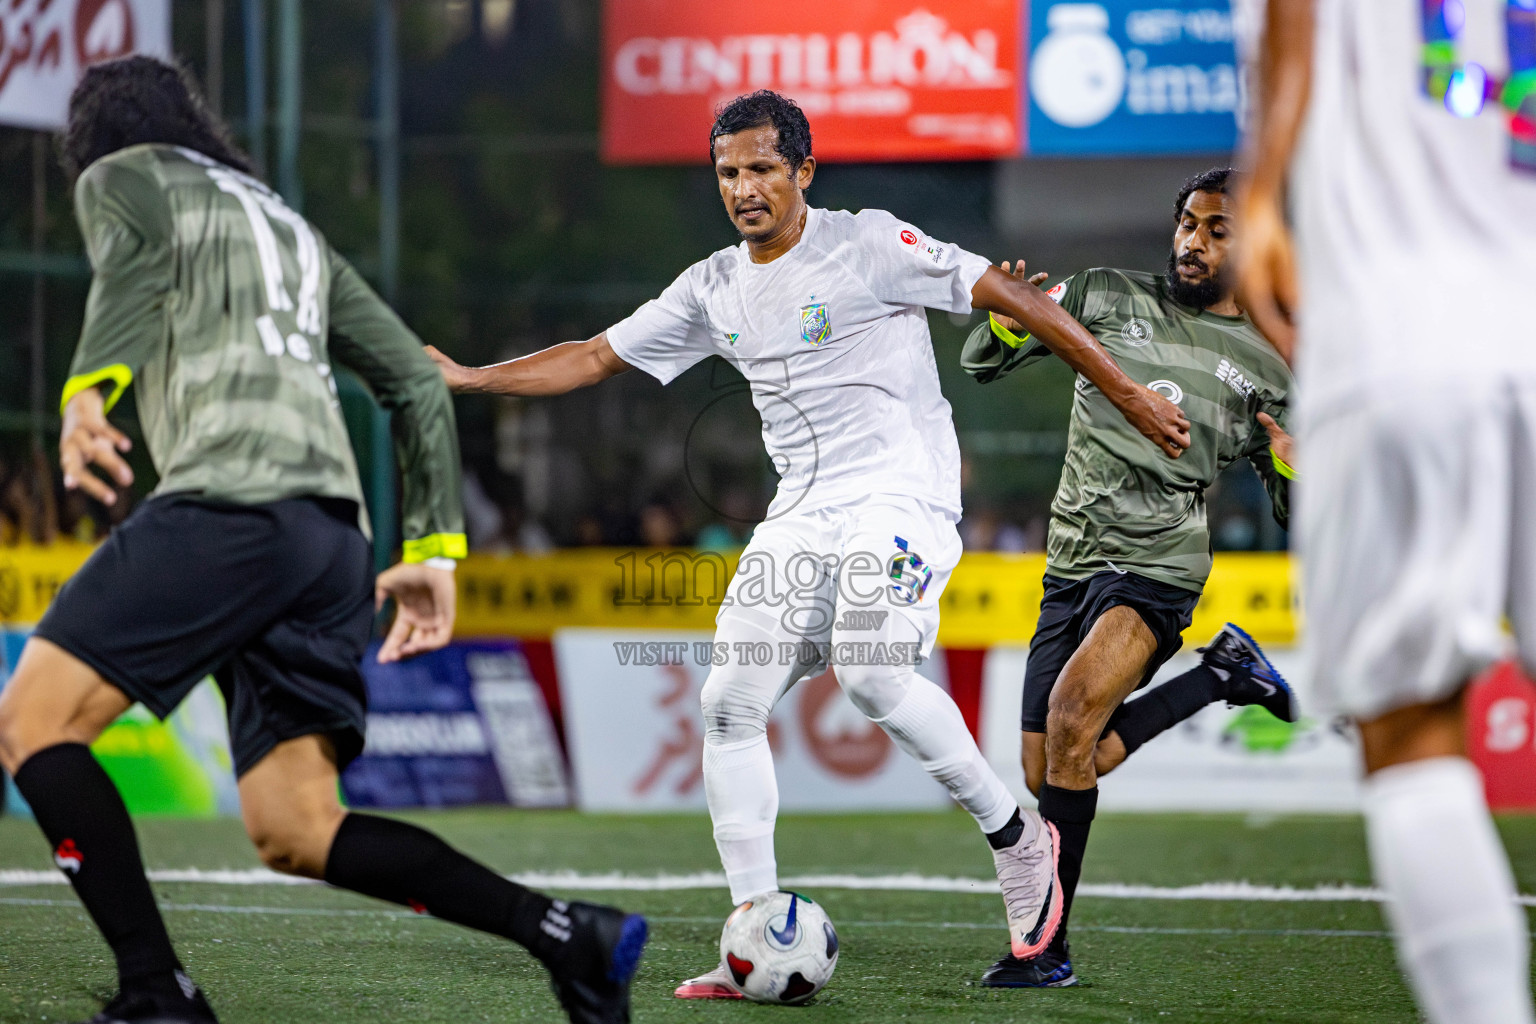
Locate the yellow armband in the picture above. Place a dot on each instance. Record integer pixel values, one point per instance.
(1004, 335)
(1280, 465)
(436, 545)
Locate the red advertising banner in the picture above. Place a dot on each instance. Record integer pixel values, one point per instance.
(879, 79)
(45, 45)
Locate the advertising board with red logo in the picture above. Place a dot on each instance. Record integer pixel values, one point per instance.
(635, 735)
(45, 45)
(878, 79)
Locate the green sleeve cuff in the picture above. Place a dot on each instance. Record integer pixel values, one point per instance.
(118, 375)
(1004, 335)
(436, 545)
(1280, 466)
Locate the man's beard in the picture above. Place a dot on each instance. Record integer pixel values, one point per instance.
(1200, 294)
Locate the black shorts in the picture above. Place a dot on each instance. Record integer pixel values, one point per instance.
(1069, 610)
(274, 600)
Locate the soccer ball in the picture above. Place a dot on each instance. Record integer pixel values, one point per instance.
(779, 947)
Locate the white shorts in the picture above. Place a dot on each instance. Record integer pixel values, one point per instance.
(856, 583)
(1418, 536)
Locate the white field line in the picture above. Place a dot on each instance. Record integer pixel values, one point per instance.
(1242, 892)
(980, 926)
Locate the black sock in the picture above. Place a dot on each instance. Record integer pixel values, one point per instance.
(1164, 707)
(1071, 811)
(82, 814)
(391, 860)
(1008, 835)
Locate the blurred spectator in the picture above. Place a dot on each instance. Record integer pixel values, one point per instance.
(496, 519)
(28, 510)
(738, 514)
(985, 530)
(659, 526)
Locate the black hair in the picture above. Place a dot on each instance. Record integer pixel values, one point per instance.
(1213, 180)
(759, 110)
(122, 103)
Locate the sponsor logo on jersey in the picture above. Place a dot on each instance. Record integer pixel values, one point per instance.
(730, 339)
(1169, 390)
(1235, 379)
(68, 857)
(1136, 332)
(908, 238)
(910, 576)
(1057, 292)
(932, 251)
(815, 323)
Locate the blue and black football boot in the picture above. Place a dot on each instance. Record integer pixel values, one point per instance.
(1246, 674)
(591, 975)
(1051, 969)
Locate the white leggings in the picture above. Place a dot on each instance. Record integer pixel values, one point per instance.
(858, 585)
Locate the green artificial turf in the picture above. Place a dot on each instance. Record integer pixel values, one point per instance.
(269, 953)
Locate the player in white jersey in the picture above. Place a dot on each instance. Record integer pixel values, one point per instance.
(1413, 125)
(823, 312)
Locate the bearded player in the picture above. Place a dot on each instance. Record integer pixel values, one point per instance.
(250, 561)
(1408, 132)
(823, 312)
(1129, 550)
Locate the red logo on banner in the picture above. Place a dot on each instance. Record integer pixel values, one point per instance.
(841, 740)
(879, 79)
(1501, 736)
(103, 30)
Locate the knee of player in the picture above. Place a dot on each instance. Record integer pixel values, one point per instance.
(1072, 724)
(874, 689)
(733, 710)
(290, 846)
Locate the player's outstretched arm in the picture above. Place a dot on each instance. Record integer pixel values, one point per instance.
(1267, 271)
(424, 609)
(1158, 419)
(551, 371)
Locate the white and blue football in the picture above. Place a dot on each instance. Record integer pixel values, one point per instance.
(779, 947)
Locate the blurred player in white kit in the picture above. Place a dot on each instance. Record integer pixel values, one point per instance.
(1408, 131)
(822, 311)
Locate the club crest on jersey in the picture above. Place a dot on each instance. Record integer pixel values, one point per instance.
(68, 857)
(815, 323)
(1136, 332)
(910, 575)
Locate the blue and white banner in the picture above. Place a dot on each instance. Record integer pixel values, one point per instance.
(1132, 77)
(464, 725)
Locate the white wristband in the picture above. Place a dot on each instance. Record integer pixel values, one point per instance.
(441, 562)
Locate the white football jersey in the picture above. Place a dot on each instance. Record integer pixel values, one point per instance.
(1417, 237)
(834, 342)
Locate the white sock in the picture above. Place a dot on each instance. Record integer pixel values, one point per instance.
(927, 725)
(743, 797)
(1460, 938)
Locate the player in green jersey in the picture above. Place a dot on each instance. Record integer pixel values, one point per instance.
(1129, 548)
(250, 561)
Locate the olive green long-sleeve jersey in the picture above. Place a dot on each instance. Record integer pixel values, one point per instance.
(228, 310)
(1122, 504)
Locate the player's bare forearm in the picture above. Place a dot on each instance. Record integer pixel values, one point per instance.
(551, 371)
(1267, 281)
(1285, 84)
(1159, 420)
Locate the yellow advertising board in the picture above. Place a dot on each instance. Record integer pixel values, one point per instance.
(991, 599)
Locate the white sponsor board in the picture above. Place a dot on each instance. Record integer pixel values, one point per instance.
(1222, 759)
(635, 733)
(46, 44)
